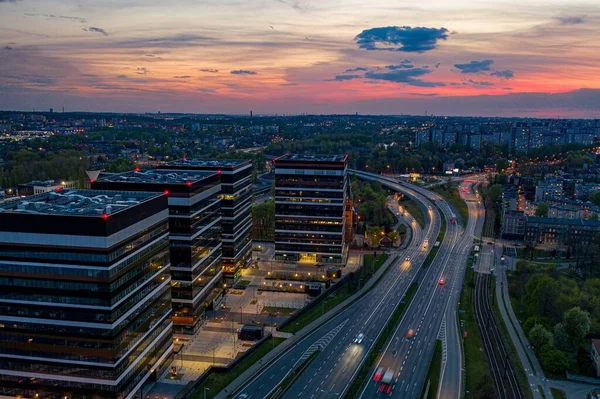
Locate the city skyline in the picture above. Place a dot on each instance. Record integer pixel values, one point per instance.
(294, 56)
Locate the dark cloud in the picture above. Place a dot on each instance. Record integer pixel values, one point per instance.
(507, 74)
(243, 72)
(357, 69)
(475, 83)
(203, 90)
(182, 77)
(407, 76)
(96, 30)
(401, 38)
(404, 64)
(573, 20)
(7, 48)
(209, 70)
(289, 84)
(122, 76)
(341, 78)
(437, 65)
(8, 1)
(141, 70)
(475, 66)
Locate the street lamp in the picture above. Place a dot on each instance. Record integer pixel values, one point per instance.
(206, 389)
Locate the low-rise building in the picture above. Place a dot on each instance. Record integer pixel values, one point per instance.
(513, 224)
(39, 187)
(552, 231)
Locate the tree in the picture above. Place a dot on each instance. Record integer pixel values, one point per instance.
(494, 192)
(561, 338)
(374, 235)
(595, 198)
(393, 235)
(553, 360)
(577, 324)
(542, 210)
(501, 165)
(540, 337)
(541, 295)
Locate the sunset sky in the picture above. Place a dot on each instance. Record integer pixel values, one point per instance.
(497, 57)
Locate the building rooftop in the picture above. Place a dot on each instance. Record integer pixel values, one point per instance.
(561, 221)
(207, 163)
(157, 176)
(76, 203)
(312, 158)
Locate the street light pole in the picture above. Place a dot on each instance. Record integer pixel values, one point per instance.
(205, 389)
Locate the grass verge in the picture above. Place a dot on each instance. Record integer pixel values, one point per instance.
(278, 310)
(415, 211)
(216, 382)
(477, 369)
(433, 375)
(369, 363)
(512, 351)
(558, 393)
(452, 195)
(370, 267)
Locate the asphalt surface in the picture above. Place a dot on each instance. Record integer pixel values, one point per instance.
(331, 371)
(409, 358)
(451, 377)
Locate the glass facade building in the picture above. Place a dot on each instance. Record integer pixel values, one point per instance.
(194, 232)
(236, 209)
(85, 294)
(310, 197)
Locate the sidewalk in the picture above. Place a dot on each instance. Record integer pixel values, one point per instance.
(249, 373)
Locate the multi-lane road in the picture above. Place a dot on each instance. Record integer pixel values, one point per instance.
(331, 371)
(430, 315)
(409, 355)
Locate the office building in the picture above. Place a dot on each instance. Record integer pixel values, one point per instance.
(194, 232)
(236, 209)
(310, 195)
(578, 233)
(85, 294)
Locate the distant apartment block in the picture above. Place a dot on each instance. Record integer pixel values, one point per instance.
(194, 232)
(549, 189)
(85, 294)
(236, 208)
(310, 197)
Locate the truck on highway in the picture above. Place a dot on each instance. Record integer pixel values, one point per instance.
(386, 382)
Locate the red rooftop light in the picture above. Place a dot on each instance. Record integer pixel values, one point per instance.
(189, 183)
(57, 189)
(92, 180)
(166, 192)
(105, 216)
(219, 171)
(137, 168)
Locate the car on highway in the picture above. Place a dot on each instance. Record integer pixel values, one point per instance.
(441, 281)
(453, 221)
(386, 382)
(407, 259)
(378, 374)
(490, 243)
(425, 243)
(410, 333)
(359, 338)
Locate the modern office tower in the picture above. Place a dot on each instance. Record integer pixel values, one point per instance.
(85, 294)
(310, 195)
(194, 232)
(236, 209)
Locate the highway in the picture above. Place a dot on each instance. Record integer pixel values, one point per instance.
(409, 357)
(451, 377)
(331, 371)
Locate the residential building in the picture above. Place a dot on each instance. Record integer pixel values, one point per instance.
(195, 241)
(236, 209)
(595, 355)
(310, 197)
(520, 137)
(85, 294)
(513, 224)
(549, 189)
(552, 231)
